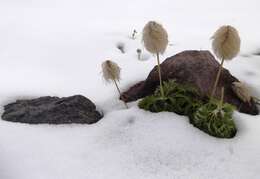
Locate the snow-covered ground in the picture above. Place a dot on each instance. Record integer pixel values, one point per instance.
(55, 47)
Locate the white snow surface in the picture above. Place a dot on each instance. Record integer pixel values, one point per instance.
(56, 47)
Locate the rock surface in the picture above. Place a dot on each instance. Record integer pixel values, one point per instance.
(197, 68)
(52, 110)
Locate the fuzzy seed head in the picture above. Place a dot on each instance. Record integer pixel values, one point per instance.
(226, 42)
(111, 71)
(241, 91)
(155, 37)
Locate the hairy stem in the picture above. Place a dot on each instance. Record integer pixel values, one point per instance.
(160, 75)
(119, 92)
(217, 79)
(222, 96)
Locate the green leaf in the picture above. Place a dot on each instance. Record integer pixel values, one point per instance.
(212, 117)
(215, 119)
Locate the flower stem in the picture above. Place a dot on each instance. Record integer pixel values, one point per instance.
(160, 75)
(222, 96)
(119, 92)
(217, 79)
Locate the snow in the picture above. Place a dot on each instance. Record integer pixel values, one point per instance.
(56, 47)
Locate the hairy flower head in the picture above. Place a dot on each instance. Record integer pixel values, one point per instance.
(241, 91)
(155, 37)
(226, 42)
(111, 71)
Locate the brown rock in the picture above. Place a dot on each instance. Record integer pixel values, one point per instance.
(197, 68)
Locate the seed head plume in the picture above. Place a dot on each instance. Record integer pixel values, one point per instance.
(155, 37)
(111, 73)
(226, 45)
(241, 91)
(226, 42)
(155, 40)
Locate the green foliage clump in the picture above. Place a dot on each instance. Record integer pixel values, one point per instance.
(181, 99)
(215, 119)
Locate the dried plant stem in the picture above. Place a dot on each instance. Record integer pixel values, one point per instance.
(119, 92)
(222, 97)
(217, 79)
(160, 75)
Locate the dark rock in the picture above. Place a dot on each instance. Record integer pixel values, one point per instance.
(197, 68)
(52, 110)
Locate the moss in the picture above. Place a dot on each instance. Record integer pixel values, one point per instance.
(212, 117)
